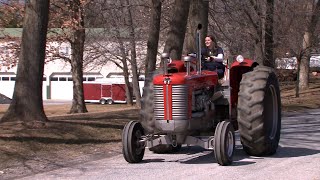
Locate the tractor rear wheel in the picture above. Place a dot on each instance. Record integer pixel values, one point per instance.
(224, 143)
(259, 112)
(132, 148)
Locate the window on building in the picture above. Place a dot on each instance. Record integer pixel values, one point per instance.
(84, 79)
(13, 79)
(62, 79)
(69, 78)
(53, 78)
(91, 78)
(5, 78)
(44, 78)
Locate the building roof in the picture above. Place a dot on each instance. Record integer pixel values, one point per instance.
(7, 73)
(11, 32)
(96, 32)
(115, 74)
(70, 74)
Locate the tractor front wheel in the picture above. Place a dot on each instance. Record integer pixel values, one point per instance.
(132, 148)
(259, 112)
(224, 143)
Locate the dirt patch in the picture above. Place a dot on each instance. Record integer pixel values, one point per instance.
(308, 99)
(69, 140)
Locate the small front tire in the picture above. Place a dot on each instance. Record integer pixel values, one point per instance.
(132, 148)
(224, 143)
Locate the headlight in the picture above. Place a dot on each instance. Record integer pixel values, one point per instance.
(240, 58)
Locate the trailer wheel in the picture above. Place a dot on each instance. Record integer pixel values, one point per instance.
(259, 112)
(103, 101)
(224, 143)
(132, 148)
(109, 101)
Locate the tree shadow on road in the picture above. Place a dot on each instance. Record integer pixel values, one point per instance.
(198, 155)
(287, 152)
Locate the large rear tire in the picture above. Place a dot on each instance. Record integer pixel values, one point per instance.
(259, 112)
(224, 143)
(132, 148)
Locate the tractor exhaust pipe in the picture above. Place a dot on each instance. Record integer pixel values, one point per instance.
(187, 60)
(165, 57)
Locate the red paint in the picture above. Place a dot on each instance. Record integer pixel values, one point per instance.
(246, 63)
(194, 81)
(98, 90)
(236, 71)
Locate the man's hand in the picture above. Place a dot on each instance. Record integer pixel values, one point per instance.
(211, 59)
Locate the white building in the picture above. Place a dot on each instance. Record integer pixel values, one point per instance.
(57, 72)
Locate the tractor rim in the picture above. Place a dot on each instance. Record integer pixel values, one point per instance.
(230, 142)
(138, 148)
(274, 112)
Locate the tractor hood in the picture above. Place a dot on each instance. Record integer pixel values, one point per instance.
(206, 78)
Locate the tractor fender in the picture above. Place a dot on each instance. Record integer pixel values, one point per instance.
(237, 69)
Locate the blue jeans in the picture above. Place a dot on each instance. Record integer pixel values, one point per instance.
(214, 66)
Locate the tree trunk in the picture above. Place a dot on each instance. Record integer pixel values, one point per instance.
(77, 47)
(258, 54)
(269, 45)
(304, 63)
(174, 42)
(129, 98)
(27, 103)
(198, 14)
(153, 39)
(126, 74)
(135, 78)
(308, 44)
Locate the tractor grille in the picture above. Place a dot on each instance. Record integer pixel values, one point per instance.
(179, 102)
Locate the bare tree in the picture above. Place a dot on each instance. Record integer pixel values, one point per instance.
(69, 16)
(308, 43)
(268, 59)
(123, 23)
(27, 103)
(178, 24)
(132, 39)
(198, 14)
(12, 13)
(77, 48)
(153, 38)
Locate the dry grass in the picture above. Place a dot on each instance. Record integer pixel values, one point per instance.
(64, 140)
(62, 109)
(308, 99)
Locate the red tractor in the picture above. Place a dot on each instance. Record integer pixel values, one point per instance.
(184, 105)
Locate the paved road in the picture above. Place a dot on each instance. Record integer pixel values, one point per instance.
(297, 158)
